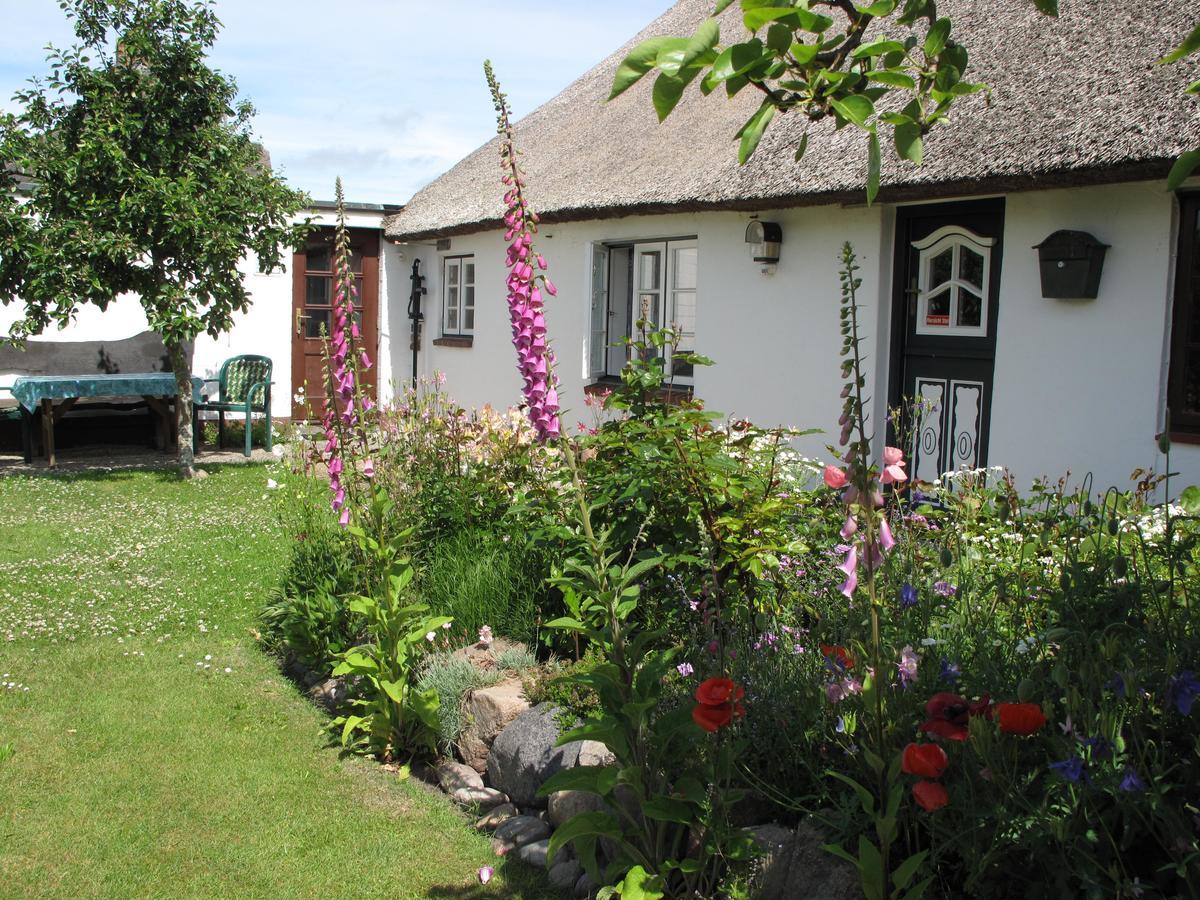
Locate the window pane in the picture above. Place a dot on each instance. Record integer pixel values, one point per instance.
(356, 261)
(970, 308)
(452, 273)
(452, 318)
(1191, 384)
(469, 319)
(648, 307)
(318, 257)
(469, 277)
(318, 289)
(685, 268)
(469, 296)
(683, 316)
(651, 270)
(937, 311)
(316, 323)
(970, 267)
(940, 267)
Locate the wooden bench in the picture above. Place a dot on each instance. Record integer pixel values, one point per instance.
(143, 352)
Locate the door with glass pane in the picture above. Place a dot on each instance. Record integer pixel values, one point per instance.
(947, 285)
(312, 310)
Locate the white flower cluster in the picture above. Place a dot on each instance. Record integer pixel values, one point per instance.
(970, 477)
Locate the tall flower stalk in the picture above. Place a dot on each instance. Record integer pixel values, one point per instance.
(867, 537)
(346, 444)
(526, 281)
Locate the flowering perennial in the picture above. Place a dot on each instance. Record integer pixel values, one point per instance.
(342, 375)
(718, 702)
(535, 360)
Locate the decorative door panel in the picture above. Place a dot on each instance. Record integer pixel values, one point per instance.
(945, 309)
(947, 428)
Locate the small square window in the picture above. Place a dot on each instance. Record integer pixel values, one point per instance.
(458, 295)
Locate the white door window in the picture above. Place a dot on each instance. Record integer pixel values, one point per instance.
(953, 275)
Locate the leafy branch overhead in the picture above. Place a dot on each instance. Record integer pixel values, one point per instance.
(891, 67)
(1189, 161)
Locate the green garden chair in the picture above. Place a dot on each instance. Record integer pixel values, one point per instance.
(244, 387)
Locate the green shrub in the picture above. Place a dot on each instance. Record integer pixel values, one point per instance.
(453, 677)
(478, 579)
(307, 617)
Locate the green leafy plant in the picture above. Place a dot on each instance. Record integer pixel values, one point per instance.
(892, 65)
(394, 716)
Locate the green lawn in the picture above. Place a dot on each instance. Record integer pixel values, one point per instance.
(148, 748)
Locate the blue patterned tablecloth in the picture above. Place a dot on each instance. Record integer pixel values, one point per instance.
(32, 389)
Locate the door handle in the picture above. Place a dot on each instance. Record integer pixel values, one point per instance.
(300, 317)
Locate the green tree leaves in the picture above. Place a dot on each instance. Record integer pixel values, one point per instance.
(821, 66)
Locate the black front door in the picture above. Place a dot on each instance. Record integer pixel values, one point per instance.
(947, 288)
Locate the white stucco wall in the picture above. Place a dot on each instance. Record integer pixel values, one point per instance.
(1078, 384)
(266, 328)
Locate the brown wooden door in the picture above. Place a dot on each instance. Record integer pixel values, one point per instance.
(312, 311)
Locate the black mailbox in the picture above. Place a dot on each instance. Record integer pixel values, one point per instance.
(1071, 262)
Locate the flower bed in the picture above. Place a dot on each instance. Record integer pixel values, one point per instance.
(966, 688)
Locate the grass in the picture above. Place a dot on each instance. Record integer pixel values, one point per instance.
(147, 746)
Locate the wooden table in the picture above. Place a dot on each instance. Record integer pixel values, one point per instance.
(158, 389)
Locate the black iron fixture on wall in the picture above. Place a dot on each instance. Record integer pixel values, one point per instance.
(1071, 263)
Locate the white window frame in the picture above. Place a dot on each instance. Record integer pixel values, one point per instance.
(664, 296)
(458, 305)
(955, 237)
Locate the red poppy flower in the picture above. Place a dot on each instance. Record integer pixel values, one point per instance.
(719, 691)
(838, 655)
(925, 760)
(949, 713)
(714, 718)
(930, 795)
(1020, 718)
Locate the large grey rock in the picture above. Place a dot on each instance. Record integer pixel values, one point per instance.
(563, 806)
(594, 753)
(454, 776)
(585, 887)
(517, 832)
(495, 817)
(479, 798)
(564, 873)
(489, 711)
(794, 865)
(524, 755)
(534, 853)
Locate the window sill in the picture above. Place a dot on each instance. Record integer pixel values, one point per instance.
(677, 393)
(1185, 437)
(454, 340)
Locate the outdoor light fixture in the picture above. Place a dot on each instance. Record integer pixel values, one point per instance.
(764, 239)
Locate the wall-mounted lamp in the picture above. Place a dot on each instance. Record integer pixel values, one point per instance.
(1071, 263)
(764, 239)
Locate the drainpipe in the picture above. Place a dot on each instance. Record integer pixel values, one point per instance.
(414, 313)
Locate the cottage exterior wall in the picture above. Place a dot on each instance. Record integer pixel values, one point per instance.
(1078, 384)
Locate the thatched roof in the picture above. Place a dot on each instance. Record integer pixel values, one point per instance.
(1075, 100)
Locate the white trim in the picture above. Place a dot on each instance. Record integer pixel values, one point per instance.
(954, 238)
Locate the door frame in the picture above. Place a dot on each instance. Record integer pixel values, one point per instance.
(971, 348)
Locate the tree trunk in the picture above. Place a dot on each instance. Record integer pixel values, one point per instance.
(182, 368)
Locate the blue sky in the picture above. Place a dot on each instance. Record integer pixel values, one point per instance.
(386, 94)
